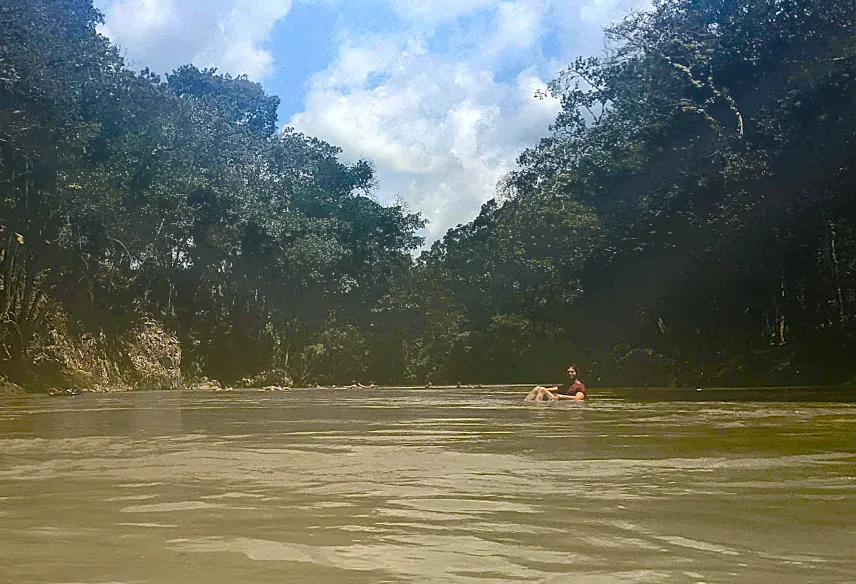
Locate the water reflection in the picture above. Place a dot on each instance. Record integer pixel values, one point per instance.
(380, 486)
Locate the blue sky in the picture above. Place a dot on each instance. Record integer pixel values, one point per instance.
(438, 94)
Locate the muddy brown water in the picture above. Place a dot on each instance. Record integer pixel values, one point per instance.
(463, 486)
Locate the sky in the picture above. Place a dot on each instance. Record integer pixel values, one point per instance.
(438, 94)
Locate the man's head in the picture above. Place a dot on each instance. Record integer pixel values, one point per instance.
(572, 370)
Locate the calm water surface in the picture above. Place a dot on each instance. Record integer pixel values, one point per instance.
(428, 486)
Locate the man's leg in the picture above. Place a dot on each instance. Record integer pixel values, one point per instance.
(535, 394)
(540, 394)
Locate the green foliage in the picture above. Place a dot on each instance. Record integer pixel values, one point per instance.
(238, 100)
(691, 203)
(688, 219)
(126, 197)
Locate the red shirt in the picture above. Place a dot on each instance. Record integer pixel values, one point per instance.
(572, 389)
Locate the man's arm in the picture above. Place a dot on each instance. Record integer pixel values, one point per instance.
(579, 396)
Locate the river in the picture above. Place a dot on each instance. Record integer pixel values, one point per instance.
(435, 485)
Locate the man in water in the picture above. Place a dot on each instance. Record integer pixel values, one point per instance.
(573, 389)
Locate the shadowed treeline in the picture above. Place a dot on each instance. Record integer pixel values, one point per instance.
(688, 219)
(128, 198)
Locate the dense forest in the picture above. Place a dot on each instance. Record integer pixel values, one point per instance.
(689, 219)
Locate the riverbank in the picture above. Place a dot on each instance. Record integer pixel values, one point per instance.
(642, 392)
(9, 388)
(214, 386)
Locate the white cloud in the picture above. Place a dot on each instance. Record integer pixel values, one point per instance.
(434, 11)
(164, 34)
(599, 13)
(433, 101)
(356, 63)
(441, 133)
(518, 25)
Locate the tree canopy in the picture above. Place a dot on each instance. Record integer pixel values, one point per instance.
(687, 219)
(127, 197)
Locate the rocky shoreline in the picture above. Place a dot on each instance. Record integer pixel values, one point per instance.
(9, 388)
